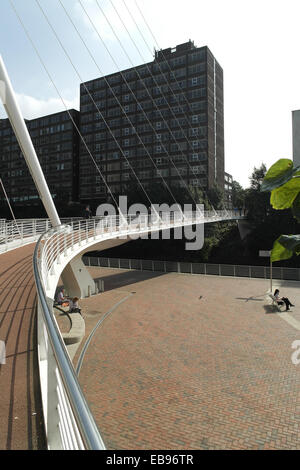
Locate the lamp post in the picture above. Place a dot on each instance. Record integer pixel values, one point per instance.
(267, 254)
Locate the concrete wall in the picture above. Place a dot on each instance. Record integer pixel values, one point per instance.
(296, 137)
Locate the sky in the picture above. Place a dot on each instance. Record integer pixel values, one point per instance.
(256, 43)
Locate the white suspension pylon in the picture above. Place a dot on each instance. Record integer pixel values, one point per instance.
(16, 119)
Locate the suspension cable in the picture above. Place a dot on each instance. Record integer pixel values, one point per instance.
(149, 69)
(102, 117)
(166, 82)
(10, 208)
(122, 108)
(166, 62)
(122, 74)
(59, 94)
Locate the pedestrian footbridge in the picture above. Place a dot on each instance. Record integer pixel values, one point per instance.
(26, 301)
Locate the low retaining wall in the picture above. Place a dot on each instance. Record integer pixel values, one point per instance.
(260, 272)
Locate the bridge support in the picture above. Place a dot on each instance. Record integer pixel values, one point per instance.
(16, 119)
(77, 280)
(245, 228)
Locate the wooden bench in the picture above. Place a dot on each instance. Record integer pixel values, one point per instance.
(276, 302)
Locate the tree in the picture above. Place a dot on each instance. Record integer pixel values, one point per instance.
(257, 177)
(216, 197)
(256, 202)
(238, 195)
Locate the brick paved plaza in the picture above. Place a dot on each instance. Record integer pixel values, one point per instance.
(21, 416)
(170, 370)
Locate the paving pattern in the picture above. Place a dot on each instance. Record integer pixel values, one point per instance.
(191, 362)
(21, 419)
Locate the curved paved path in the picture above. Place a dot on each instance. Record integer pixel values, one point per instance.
(21, 418)
(191, 362)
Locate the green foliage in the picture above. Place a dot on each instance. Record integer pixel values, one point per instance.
(284, 246)
(282, 197)
(216, 197)
(283, 180)
(278, 174)
(257, 203)
(257, 177)
(238, 195)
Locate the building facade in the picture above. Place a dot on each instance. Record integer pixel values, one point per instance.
(161, 121)
(56, 142)
(296, 137)
(228, 181)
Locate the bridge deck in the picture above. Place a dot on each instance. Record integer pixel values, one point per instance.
(20, 405)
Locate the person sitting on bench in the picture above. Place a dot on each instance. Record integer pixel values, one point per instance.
(61, 299)
(280, 300)
(74, 306)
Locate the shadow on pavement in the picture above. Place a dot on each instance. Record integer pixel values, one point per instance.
(114, 281)
(271, 309)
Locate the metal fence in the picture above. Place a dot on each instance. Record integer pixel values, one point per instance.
(260, 272)
(14, 233)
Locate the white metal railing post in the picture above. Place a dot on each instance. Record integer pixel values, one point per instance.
(53, 437)
(65, 244)
(72, 238)
(58, 249)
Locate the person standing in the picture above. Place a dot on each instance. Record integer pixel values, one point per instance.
(87, 212)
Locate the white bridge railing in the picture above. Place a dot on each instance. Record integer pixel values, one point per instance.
(69, 423)
(14, 234)
(64, 244)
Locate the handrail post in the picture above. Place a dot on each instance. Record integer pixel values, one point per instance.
(65, 244)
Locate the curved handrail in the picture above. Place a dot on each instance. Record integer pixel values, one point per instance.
(73, 424)
(84, 419)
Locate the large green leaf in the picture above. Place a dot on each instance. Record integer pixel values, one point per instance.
(278, 174)
(285, 246)
(284, 196)
(291, 242)
(279, 252)
(296, 208)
